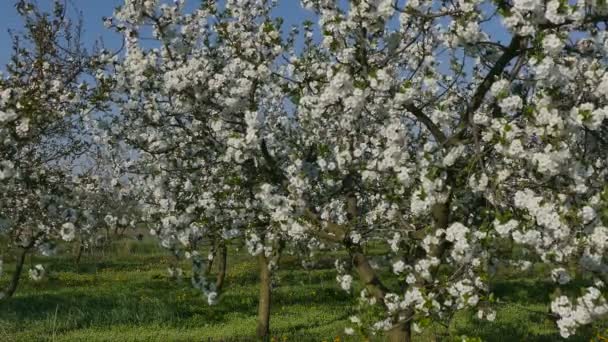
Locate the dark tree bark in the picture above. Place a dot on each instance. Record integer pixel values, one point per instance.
(79, 253)
(367, 274)
(213, 252)
(222, 259)
(263, 328)
(12, 286)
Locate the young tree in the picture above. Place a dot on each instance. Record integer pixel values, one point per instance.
(191, 105)
(108, 209)
(41, 99)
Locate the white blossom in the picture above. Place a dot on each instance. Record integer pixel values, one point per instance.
(37, 272)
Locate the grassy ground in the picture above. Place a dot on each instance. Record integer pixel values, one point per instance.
(128, 297)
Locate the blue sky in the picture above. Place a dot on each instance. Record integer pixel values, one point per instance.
(94, 10)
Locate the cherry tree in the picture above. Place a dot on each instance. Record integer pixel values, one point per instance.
(41, 99)
(191, 104)
(421, 130)
(108, 209)
(438, 130)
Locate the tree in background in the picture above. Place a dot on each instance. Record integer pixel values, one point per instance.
(189, 105)
(42, 99)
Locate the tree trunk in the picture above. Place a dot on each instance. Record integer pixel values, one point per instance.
(213, 252)
(79, 255)
(263, 328)
(12, 286)
(400, 333)
(441, 218)
(222, 255)
(367, 274)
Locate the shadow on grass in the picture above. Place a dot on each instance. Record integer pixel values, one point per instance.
(530, 290)
(81, 304)
(93, 265)
(516, 331)
(154, 302)
(523, 291)
(136, 292)
(524, 315)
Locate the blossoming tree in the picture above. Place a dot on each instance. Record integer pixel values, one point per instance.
(421, 131)
(192, 105)
(41, 99)
(441, 131)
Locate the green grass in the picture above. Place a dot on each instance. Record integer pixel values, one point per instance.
(126, 296)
